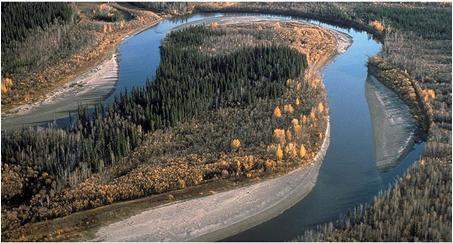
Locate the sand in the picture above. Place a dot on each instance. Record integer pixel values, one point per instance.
(89, 88)
(219, 215)
(393, 125)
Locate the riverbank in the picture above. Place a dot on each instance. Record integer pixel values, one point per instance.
(89, 88)
(57, 78)
(424, 187)
(393, 125)
(64, 223)
(218, 216)
(408, 90)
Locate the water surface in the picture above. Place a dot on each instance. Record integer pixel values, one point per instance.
(351, 173)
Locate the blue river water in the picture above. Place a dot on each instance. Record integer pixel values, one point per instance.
(349, 174)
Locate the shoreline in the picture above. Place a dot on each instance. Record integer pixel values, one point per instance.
(277, 209)
(95, 84)
(78, 81)
(233, 217)
(110, 63)
(287, 190)
(389, 127)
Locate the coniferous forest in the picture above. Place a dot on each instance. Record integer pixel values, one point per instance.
(18, 19)
(44, 161)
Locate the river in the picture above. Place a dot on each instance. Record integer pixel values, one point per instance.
(362, 158)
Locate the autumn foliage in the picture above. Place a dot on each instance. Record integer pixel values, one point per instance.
(235, 144)
(377, 25)
(154, 153)
(6, 85)
(277, 112)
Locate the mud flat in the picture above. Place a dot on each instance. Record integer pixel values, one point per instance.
(90, 88)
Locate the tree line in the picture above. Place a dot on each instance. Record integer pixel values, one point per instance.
(430, 20)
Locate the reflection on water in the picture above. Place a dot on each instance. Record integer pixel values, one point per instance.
(393, 126)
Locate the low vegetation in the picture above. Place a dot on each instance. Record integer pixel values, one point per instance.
(174, 132)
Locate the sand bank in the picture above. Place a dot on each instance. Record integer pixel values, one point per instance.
(219, 215)
(89, 88)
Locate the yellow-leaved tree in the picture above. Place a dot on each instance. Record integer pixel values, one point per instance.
(320, 107)
(235, 144)
(298, 130)
(288, 108)
(377, 25)
(279, 135)
(302, 151)
(279, 153)
(288, 134)
(277, 112)
(290, 150)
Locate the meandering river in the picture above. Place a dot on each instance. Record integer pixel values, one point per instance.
(371, 130)
(351, 172)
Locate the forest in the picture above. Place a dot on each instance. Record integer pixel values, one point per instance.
(430, 20)
(39, 163)
(18, 19)
(22, 20)
(417, 48)
(49, 172)
(205, 82)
